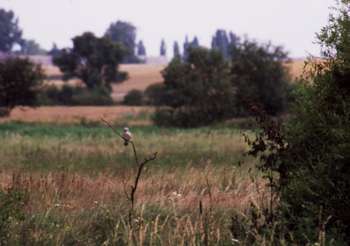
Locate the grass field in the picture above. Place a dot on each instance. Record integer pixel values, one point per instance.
(73, 176)
(76, 175)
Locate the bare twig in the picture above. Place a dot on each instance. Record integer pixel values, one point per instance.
(138, 175)
(140, 166)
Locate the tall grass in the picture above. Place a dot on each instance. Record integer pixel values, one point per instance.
(76, 177)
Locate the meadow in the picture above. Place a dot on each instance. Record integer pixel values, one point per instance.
(75, 178)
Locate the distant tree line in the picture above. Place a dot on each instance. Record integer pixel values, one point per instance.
(207, 87)
(203, 85)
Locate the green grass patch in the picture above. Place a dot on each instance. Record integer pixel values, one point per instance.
(94, 148)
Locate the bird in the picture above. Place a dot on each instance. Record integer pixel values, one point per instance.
(126, 136)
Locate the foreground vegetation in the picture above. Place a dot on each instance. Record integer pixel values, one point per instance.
(69, 182)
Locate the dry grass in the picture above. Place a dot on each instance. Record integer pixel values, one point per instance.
(64, 114)
(140, 77)
(296, 68)
(178, 188)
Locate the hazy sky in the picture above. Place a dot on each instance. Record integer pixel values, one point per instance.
(292, 23)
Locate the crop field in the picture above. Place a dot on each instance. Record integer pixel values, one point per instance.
(79, 114)
(76, 176)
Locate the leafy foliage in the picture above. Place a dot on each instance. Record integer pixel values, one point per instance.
(260, 77)
(10, 33)
(134, 98)
(73, 96)
(205, 87)
(124, 33)
(176, 50)
(94, 60)
(141, 50)
(19, 81)
(162, 48)
(155, 94)
(312, 164)
(199, 90)
(30, 47)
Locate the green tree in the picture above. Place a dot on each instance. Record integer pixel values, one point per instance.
(124, 33)
(162, 48)
(260, 77)
(141, 50)
(94, 60)
(186, 46)
(190, 45)
(220, 42)
(54, 51)
(198, 91)
(176, 50)
(195, 42)
(30, 47)
(19, 83)
(10, 33)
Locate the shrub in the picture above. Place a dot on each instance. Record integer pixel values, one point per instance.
(308, 159)
(259, 77)
(134, 98)
(155, 94)
(97, 96)
(69, 95)
(198, 91)
(19, 83)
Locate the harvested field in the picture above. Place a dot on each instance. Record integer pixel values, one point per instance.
(140, 77)
(296, 68)
(63, 114)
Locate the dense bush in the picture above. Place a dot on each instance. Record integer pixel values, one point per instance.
(134, 98)
(260, 77)
(19, 81)
(68, 95)
(199, 90)
(155, 94)
(310, 155)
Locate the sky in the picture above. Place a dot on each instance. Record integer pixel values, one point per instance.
(291, 23)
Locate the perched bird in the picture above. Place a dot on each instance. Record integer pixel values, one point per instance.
(126, 136)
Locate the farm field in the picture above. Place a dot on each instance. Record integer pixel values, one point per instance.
(76, 114)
